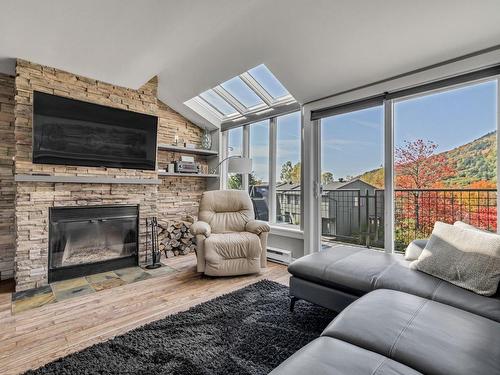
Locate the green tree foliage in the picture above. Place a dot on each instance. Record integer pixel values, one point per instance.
(235, 181)
(290, 172)
(326, 178)
(296, 173)
(286, 172)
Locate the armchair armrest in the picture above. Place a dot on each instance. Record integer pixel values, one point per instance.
(257, 226)
(200, 227)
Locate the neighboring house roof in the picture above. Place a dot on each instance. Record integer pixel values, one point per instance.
(336, 185)
(287, 186)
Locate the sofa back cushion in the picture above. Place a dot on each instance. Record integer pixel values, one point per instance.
(226, 210)
(467, 258)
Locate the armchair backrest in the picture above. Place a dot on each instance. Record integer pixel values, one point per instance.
(226, 210)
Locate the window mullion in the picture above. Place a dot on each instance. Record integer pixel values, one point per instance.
(498, 155)
(223, 175)
(245, 153)
(389, 176)
(257, 88)
(273, 136)
(230, 99)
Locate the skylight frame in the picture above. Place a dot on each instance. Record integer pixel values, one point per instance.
(214, 106)
(269, 88)
(269, 103)
(247, 87)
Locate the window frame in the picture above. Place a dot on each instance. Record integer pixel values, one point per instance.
(272, 168)
(312, 129)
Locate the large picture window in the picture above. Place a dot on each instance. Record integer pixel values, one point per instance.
(288, 171)
(280, 153)
(445, 159)
(258, 180)
(393, 165)
(234, 148)
(352, 177)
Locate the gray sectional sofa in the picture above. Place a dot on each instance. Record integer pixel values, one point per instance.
(393, 320)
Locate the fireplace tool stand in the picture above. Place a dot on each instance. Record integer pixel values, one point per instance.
(152, 232)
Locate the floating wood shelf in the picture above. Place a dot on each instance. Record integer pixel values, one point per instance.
(166, 174)
(86, 179)
(185, 150)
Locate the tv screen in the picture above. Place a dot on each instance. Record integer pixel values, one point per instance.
(73, 132)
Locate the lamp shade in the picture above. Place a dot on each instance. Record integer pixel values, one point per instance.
(239, 165)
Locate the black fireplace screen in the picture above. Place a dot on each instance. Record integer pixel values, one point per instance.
(86, 240)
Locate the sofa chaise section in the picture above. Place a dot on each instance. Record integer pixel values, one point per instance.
(329, 356)
(406, 334)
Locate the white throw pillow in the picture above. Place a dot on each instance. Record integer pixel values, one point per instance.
(414, 249)
(463, 225)
(467, 258)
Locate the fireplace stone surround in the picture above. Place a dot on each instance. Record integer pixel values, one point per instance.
(40, 188)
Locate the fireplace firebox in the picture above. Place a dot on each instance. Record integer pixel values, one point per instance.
(92, 239)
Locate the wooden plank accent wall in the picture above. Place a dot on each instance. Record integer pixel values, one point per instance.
(173, 198)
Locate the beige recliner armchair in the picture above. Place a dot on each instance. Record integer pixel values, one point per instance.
(229, 241)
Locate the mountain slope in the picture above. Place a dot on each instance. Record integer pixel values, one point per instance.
(474, 161)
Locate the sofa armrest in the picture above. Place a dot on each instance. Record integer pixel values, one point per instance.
(257, 227)
(200, 227)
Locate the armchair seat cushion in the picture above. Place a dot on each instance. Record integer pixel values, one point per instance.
(232, 253)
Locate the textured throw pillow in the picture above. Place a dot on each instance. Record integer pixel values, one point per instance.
(414, 249)
(463, 225)
(467, 258)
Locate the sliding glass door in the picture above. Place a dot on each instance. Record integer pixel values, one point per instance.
(445, 160)
(389, 172)
(352, 178)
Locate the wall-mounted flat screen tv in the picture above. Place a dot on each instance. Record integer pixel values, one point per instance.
(73, 132)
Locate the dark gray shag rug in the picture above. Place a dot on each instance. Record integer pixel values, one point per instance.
(249, 331)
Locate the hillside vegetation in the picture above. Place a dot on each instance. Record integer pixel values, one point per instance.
(474, 164)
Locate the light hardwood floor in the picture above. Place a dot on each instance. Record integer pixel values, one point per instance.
(32, 338)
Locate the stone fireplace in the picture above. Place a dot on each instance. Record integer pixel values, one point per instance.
(40, 189)
(92, 239)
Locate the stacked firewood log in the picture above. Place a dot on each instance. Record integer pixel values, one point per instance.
(175, 238)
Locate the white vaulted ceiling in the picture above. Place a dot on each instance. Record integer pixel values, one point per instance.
(314, 47)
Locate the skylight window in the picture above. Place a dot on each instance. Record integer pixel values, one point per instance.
(268, 81)
(248, 97)
(216, 101)
(241, 92)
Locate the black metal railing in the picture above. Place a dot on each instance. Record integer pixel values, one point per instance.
(353, 216)
(288, 208)
(356, 216)
(416, 211)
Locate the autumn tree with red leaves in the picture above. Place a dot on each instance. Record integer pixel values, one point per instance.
(418, 167)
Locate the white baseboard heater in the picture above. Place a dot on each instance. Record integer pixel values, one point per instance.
(279, 255)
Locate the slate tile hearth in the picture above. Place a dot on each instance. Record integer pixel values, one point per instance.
(133, 274)
(29, 299)
(71, 288)
(105, 280)
(80, 286)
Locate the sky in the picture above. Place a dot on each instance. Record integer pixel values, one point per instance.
(353, 143)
